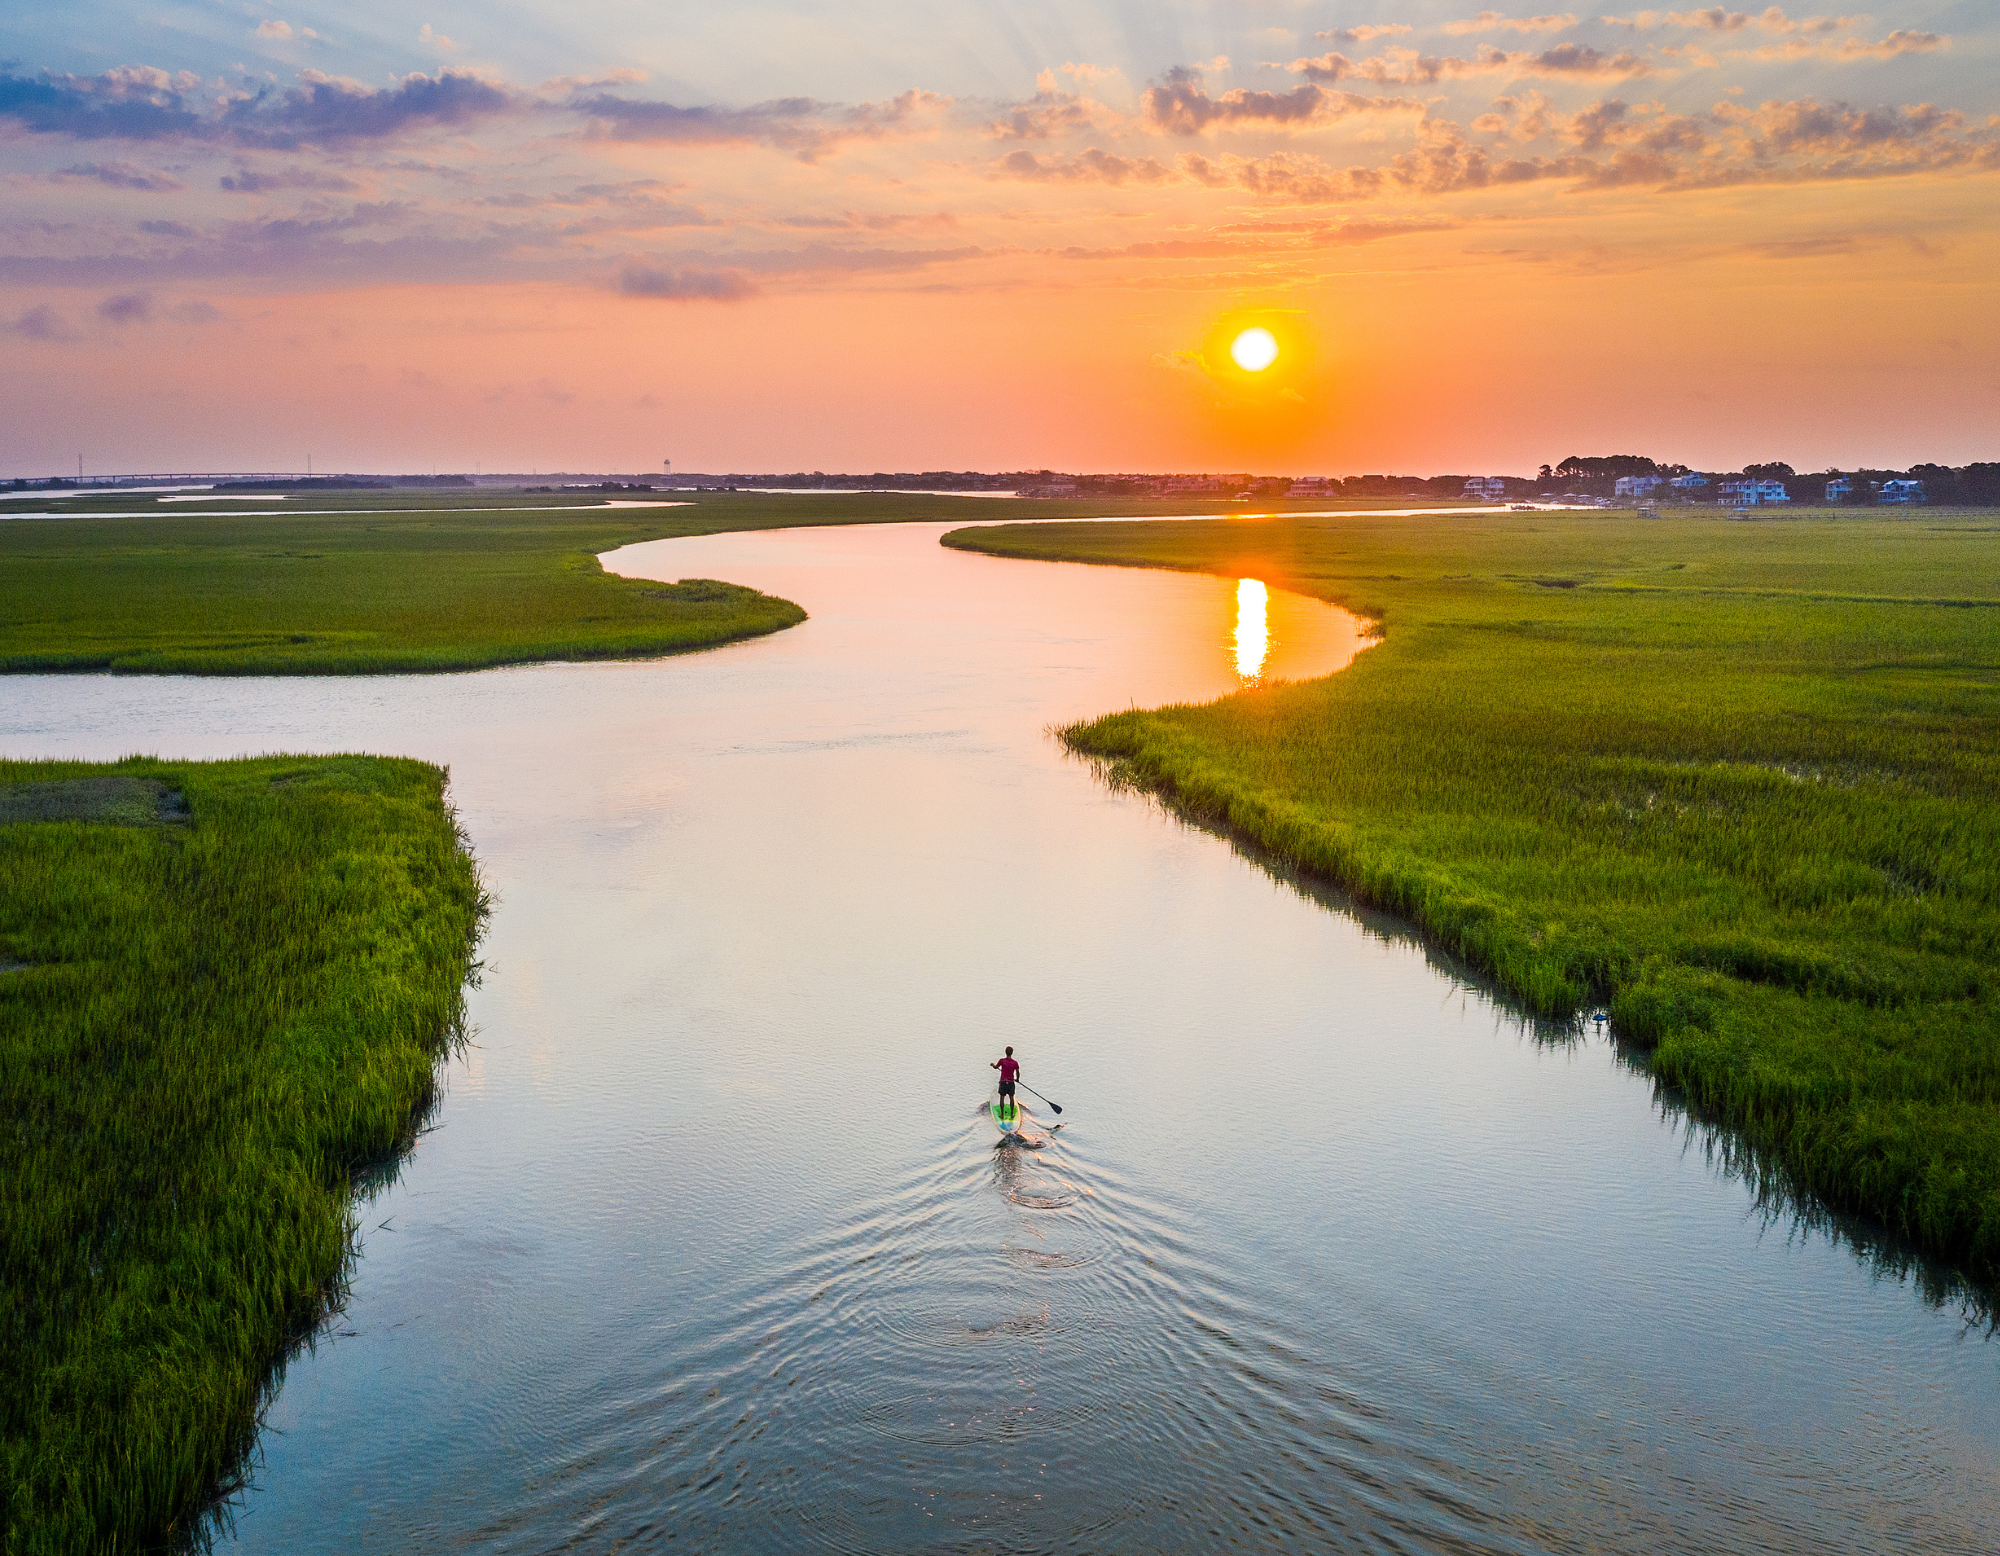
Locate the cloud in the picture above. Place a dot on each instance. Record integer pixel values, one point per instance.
(1719, 19)
(330, 111)
(1805, 248)
(801, 125)
(1526, 117)
(1089, 167)
(1168, 248)
(42, 322)
(560, 84)
(273, 29)
(1611, 144)
(1362, 34)
(1499, 21)
(1048, 113)
(127, 308)
(1443, 163)
(1347, 234)
(330, 250)
(255, 181)
(1406, 67)
(133, 102)
(686, 285)
(137, 102)
(871, 221)
(120, 175)
(1852, 50)
(435, 40)
(1900, 41)
(1806, 127)
(1180, 105)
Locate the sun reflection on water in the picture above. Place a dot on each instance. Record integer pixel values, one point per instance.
(1253, 634)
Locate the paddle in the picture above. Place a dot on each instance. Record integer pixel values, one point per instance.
(1034, 1093)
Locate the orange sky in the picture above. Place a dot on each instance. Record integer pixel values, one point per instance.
(1713, 237)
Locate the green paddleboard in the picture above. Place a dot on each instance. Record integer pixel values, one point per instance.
(1008, 1116)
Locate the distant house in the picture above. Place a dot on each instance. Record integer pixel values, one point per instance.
(1314, 486)
(1840, 490)
(1902, 491)
(1635, 485)
(1485, 488)
(1751, 494)
(1693, 481)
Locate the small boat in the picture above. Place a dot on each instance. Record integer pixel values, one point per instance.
(1522, 507)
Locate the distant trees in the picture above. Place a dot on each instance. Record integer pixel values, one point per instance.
(1610, 467)
(1978, 483)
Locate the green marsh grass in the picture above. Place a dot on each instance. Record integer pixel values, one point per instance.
(1737, 781)
(226, 989)
(374, 582)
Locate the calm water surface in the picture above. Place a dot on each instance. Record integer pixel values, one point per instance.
(713, 1248)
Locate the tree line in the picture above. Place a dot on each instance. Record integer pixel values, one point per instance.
(1974, 484)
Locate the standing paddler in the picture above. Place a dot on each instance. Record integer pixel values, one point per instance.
(1010, 1070)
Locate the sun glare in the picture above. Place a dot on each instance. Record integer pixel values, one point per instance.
(1253, 636)
(1254, 350)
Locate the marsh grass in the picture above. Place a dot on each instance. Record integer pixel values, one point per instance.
(1737, 783)
(376, 583)
(224, 1012)
(1783, 1206)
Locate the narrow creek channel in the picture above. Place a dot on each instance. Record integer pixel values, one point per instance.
(712, 1247)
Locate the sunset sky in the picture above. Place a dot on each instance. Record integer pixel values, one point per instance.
(890, 235)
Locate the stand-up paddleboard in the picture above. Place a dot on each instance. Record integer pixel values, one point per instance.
(1008, 1116)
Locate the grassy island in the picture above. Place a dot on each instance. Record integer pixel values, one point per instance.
(1738, 781)
(224, 988)
(369, 582)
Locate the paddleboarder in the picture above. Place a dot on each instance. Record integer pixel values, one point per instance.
(1009, 1069)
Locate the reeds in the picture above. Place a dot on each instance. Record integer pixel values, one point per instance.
(1739, 784)
(213, 1020)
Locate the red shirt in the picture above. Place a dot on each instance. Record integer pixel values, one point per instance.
(1008, 1069)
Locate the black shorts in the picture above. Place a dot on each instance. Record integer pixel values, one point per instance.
(1006, 1088)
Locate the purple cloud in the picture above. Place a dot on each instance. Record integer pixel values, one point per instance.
(798, 124)
(143, 104)
(42, 322)
(1094, 166)
(251, 181)
(121, 175)
(1180, 104)
(690, 284)
(126, 308)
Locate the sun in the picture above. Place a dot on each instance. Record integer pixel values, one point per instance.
(1254, 350)
(1257, 360)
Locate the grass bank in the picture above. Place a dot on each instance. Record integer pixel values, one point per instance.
(374, 582)
(1740, 781)
(225, 990)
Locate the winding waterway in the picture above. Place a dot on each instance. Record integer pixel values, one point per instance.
(712, 1247)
